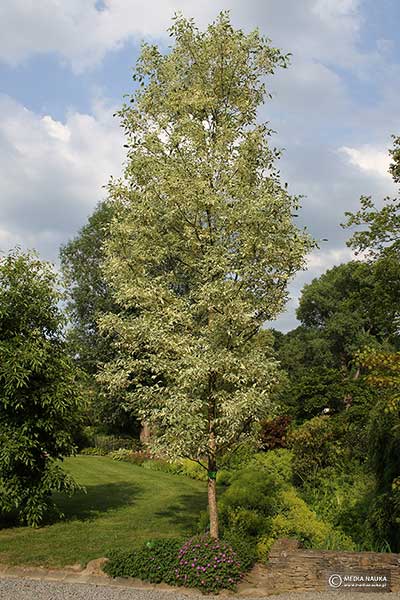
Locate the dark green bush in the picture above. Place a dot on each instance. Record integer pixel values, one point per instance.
(208, 564)
(155, 561)
(93, 452)
(245, 548)
(240, 456)
(315, 446)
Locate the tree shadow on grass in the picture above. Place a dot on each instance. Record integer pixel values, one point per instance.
(185, 511)
(97, 500)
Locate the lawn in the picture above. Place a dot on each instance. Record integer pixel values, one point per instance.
(124, 505)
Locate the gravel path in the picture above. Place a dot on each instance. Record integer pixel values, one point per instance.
(29, 589)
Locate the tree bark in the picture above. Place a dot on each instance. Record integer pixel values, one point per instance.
(212, 499)
(145, 434)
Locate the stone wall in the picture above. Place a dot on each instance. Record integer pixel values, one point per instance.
(291, 568)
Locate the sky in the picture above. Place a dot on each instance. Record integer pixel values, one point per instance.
(65, 66)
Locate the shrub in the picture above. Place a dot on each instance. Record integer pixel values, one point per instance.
(276, 464)
(262, 504)
(133, 456)
(155, 561)
(144, 459)
(295, 519)
(93, 452)
(273, 432)
(243, 521)
(110, 443)
(224, 477)
(160, 464)
(254, 485)
(208, 564)
(191, 469)
(240, 456)
(245, 548)
(315, 446)
(342, 498)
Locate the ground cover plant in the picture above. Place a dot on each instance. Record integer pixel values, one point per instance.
(124, 506)
(200, 562)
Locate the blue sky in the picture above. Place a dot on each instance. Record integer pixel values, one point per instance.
(65, 65)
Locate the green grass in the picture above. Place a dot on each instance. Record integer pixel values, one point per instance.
(124, 505)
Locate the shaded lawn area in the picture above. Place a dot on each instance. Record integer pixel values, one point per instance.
(124, 506)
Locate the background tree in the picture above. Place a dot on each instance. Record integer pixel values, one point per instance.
(379, 241)
(381, 233)
(352, 305)
(88, 292)
(89, 296)
(39, 397)
(383, 373)
(204, 244)
(344, 309)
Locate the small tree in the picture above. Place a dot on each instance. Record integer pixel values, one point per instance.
(203, 245)
(39, 399)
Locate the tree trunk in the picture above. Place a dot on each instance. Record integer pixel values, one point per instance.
(212, 499)
(145, 434)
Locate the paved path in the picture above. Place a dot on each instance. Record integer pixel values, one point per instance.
(29, 589)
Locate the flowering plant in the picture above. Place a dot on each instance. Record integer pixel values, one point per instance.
(208, 564)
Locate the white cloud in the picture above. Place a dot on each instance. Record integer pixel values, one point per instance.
(53, 172)
(319, 260)
(81, 32)
(56, 129)
(368, 158)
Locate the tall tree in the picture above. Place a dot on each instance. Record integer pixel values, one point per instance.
(204, 244)
(39, 395)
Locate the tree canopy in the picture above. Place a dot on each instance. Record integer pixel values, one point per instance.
(352, 305)
(39, 396)
(88, 292)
